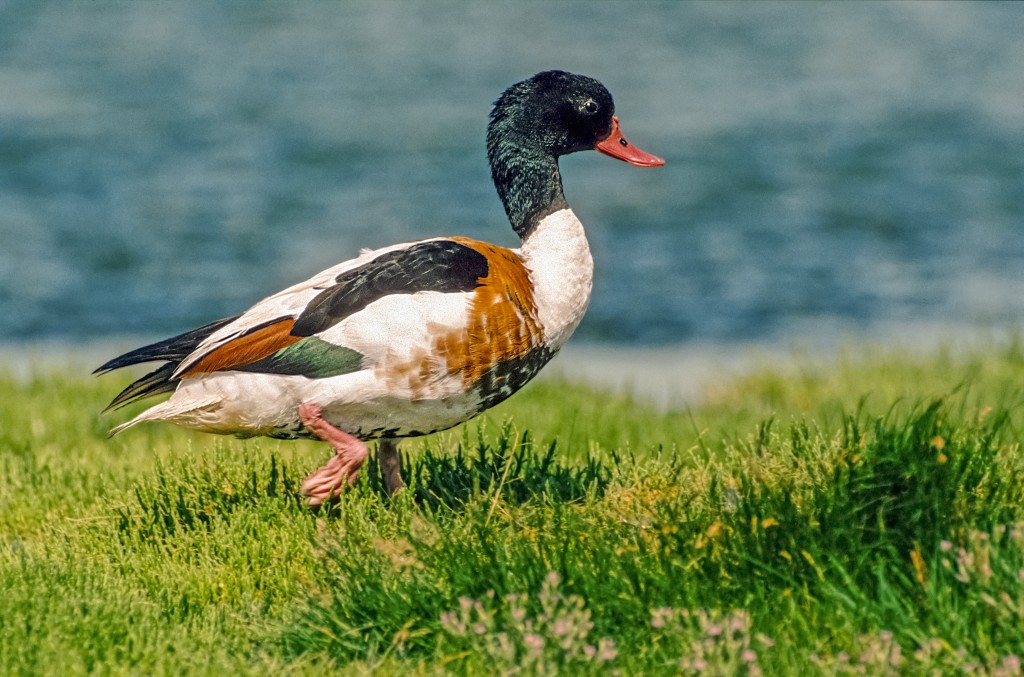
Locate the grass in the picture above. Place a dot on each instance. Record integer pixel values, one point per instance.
(861, 515)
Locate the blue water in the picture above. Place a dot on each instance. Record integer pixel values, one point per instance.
(831, 167)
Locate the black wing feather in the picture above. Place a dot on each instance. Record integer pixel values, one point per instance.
(174, 350)
(436, 265)
(155, 382)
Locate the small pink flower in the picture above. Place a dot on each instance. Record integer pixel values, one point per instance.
(749, 656)
(450, 621)
(946, 546)
(896, 656)
(661, 616)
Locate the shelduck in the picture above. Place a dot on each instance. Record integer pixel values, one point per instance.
(409, 339)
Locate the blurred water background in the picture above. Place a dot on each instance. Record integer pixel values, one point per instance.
(832, 168)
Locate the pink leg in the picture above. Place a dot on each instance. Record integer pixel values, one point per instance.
(343, 468)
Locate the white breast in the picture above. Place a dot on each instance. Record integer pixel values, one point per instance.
(562, 271)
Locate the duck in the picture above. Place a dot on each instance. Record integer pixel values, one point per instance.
(410, 339)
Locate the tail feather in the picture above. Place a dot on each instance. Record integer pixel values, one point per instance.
(116, 429)
(167, 410)
(176, 348)
(155, 382)
(173, 350)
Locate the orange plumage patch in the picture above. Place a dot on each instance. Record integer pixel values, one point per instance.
(503, 321)
(246, 349)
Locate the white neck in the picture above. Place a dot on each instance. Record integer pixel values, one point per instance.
(562, 272)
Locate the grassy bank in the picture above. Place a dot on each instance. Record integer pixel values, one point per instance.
(862, 515)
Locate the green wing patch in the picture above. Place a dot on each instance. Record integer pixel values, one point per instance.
(311, 357)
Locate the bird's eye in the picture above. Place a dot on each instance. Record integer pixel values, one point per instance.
(590, 107)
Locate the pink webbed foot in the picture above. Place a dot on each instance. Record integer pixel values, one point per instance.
(343, 468)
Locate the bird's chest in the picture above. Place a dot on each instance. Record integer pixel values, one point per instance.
(561, 269)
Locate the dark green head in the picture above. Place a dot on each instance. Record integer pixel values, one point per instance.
(536, 121)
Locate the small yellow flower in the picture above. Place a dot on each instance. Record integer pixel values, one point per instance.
(941, 458)
(920, 571)
(769, 522)
(810, 560)
(716, 530)
(938, 443)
